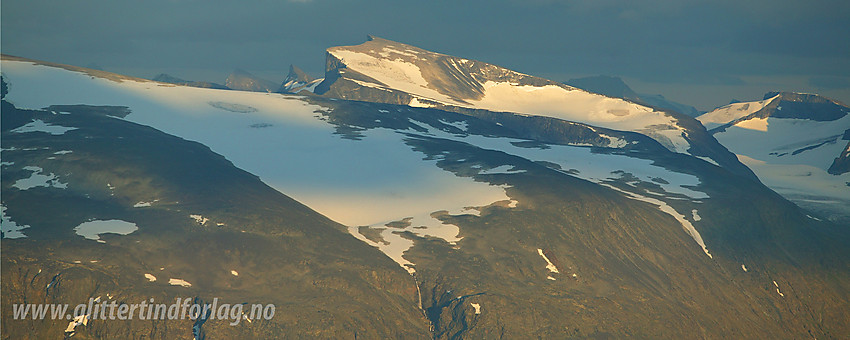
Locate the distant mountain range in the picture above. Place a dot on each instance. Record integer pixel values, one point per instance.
(411, 194)
(165, 78)
(237, 80)
(245, 81)
(617, 88)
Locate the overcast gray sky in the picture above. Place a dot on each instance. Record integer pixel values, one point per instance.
(700, 52)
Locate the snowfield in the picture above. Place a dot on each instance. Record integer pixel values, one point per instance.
(39, 179)
(10, 228)
(388, 181)
(92, 229)
(789, 155)
(378, 179)
(584, 107)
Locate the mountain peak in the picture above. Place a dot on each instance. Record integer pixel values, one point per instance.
(805, 106)
(612, 86)
(298, 75)
(383, 48)
(788, 105)
(243, 80)
(298, 80)
(167, 78)
(607, 85)
(385, 71)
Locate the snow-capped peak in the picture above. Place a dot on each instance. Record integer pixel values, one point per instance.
(728, 113)
(298, 80)
(387, 71)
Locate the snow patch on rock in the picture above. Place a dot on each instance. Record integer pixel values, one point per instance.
(179, 282)
(549, 265)
(37, 125)
(93, 229)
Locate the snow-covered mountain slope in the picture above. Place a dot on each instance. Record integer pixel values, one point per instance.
(732, 112)
(139, 214)
(284, 140)
(387, 71)
(795, 144)
(369, 179)
(477, 210)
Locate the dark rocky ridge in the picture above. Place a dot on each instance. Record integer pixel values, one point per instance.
(841, 164)
(165, 78)
(804, 106)
(244, 81)
(616, 87)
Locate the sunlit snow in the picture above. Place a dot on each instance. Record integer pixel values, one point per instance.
(393, 73)
(179, 282)
(356, 182)
(395, 70)
(696, 215)
(549, 265)
(731, 112)
(199, 219)
(366, 182)
(78, 320)
(777, 289)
